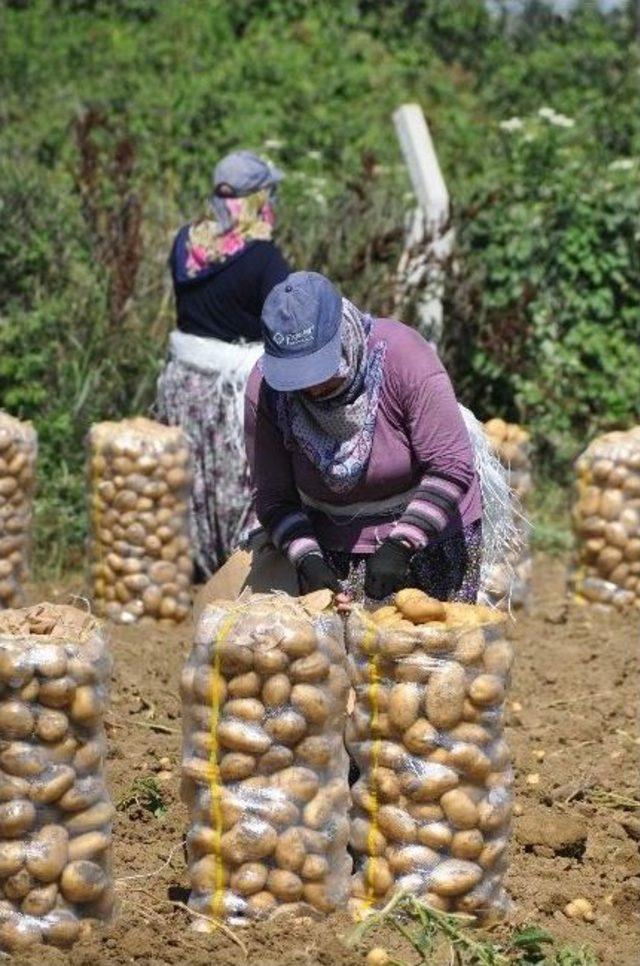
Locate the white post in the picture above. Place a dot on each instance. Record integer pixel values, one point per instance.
(429, 241)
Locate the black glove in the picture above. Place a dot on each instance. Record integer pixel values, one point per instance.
(314, 573)
(386, 569)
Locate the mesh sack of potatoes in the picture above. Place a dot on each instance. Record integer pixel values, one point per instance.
(55, 812)
(140, 477)
(508, 584)
(18, 449)
(264, 768)
(432, 805)
(606, 522)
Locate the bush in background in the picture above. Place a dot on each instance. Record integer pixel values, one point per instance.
(112, 113)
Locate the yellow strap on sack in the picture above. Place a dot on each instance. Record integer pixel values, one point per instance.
(374, 704)
(217, 899)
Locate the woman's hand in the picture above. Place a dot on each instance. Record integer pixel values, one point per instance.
(343, 603)
(314, 573)
(386, 569)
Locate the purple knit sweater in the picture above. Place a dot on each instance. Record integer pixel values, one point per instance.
(421, 462)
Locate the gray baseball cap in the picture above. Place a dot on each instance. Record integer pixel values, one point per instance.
(301, 322)
(245, 173)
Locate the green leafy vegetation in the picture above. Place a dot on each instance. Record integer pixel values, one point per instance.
(113, 112)
(144, 793)
(428, 933)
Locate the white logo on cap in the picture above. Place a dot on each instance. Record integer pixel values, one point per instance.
(294, 340)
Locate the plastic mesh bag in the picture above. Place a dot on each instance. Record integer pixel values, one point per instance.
(433, 801)
(264, 769)
(18, 451)
(139, 477)
(55, 812)
(606, 522)
(507, 583)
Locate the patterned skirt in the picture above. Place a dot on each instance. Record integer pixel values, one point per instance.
(209, 407)
(448, 569)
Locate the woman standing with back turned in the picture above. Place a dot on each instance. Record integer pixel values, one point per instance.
(359, 453)
(223, 267)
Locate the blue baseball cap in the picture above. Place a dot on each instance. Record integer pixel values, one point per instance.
(245, 173)
(301, 330)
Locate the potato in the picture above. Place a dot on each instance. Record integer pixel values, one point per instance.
(250, 840)
(290, 850)
(245, 685)
(421, 738)
(454, 877)
(467, 844)
(249, 878)
(16, 719)
(409, 858)
(311, 702)
(12, 857)
(85, 792)
(12, 787)
(404, 706)
(498, 658)
(311, 669)
(51, 725)
(470, 760)
(365, 837)
(40, 901)
(22, 760)
(377, 875)
(396, 824)
(208, 874)
(494, 811)
(18, 885)
(246, 709)
(234, 766)
(275, 759)
(486, 689)
(437, 835)
(445, 696)
(89, 757)
(95, 817)
(244, 737)
(318, 811)
(52, 784)
(47, 853)
(261, 904)
(61, 928)
(86, 707)
(285, 885)
(16, 818)
(82, 881)
(286, 726)
(89, 845)
(418, 607)
(18, 933)
(300, 784)
(428, 782)
(315, 750)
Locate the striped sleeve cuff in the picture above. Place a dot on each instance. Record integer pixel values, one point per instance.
(294, 536)
(435, 501)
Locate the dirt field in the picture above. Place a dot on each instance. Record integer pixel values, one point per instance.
(573, 730)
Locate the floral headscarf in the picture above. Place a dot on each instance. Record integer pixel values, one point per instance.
(209, 241)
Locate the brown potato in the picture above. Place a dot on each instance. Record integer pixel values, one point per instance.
(51, 725)
(445, 694)
(315, 750)
(377, 875)
(404, 706)
(234, 766)
(48, 853)
(248, 841)
(418, 607)
(16, 719)
(89, 845)
(290, 851)
(245, 685)
(12, 857)
(311, 702)
(396, 824)
(286, 726)
(62, 929)
(437, 835)
(96, 817)
(16, 818)
(285, 885)
(244, 737)
(40, 901)
(454, 877)
(486, 689)
(249, 878)
(311, 669)
(82, 881)
(300, 784)
(52, 784)
(18, 933)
